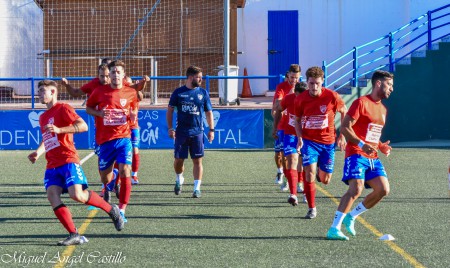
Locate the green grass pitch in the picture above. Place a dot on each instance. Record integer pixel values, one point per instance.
(242, 219)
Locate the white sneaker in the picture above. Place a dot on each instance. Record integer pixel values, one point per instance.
(304, 200)
(293, 200)
(312, 213)
(300, 188)
(279, 178)
(284, 187)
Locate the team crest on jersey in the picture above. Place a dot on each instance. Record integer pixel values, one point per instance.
(323, 108)
(200, 96)
(123, 102)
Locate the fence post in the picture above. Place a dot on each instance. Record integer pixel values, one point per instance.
(32, 92)
(391, 52)
(325, 73)
(429, 31)
(207, 83)
(355, 67)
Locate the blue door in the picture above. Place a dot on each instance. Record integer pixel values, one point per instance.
(282, 43)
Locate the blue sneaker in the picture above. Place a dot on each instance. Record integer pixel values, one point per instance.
(335, 234)
(123, 217)
(349, 223)
(196, 194)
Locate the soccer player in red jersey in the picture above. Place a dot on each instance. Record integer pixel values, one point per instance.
(64, 173)
(294, 170)
(282, 90)
(112, 105)
(315, 110)
(362, 127)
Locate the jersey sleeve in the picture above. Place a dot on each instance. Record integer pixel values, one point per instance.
(89, 87)
(92, 101)
(208, 106)
(354, 111)
(279, 93)
(298, 110)
(283, 104)
(70, 114)
(173, 102)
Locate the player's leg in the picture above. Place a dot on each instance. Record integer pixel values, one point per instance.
(326, 162)
(135, 142)
(197, 151)
(290, 152)
(310, 155)
(124, 159)
(55, 186)
(180, 154)
(301, 178)
(278, 147)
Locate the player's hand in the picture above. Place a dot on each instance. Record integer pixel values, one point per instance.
(299, 144)
(342, 142)
(368, 149)
(210, 136)
(274, 134)
(172, 133)
(64, 82)
(33, 157)
(145, 78)
(385, 148)
(52, 128)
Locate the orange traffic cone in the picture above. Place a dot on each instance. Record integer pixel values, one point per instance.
(246, 90)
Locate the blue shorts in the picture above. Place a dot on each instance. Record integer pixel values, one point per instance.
(278, 146)
(136, 137)
(290, 144)
(362, 168)
(65, 176)
(314, 152)
(118, 150)
(193, 144)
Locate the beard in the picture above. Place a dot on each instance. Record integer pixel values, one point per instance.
(195, 83)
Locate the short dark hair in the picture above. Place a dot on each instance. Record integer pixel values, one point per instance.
(106, 61)
(300, 87)
(294, 68)
(103, 66)
(314, 72)
(47, 83)
(193, 70)
(381, 75)
(116, 63)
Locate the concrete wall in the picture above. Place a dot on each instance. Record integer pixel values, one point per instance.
(327, 29)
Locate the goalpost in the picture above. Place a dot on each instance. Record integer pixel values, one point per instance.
(72, 35)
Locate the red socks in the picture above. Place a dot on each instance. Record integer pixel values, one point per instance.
(125, 192)
(65, 217)
(301, 175)
(292, 177)
(310, 193)
(135, 163)
(96, 201)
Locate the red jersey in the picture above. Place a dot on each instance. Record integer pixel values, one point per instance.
(287, 103)
(281, 91)
(59, 148)
(88, 88)
(119, 102)
(317, 115)
(370, 118)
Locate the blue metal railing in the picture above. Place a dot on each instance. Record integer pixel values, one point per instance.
(207, 79)
(388, 50)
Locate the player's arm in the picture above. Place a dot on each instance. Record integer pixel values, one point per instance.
(140, 95)
(95, 112)
(141, 85)
(169, 119)
(276, 119)
(74, 92)
(341, 139)
(34, 156)
(350, 135)
(298, 131)
(78, 126)
(210, 121)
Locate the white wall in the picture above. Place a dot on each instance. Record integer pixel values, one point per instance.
(327, 29)
(21, 29)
